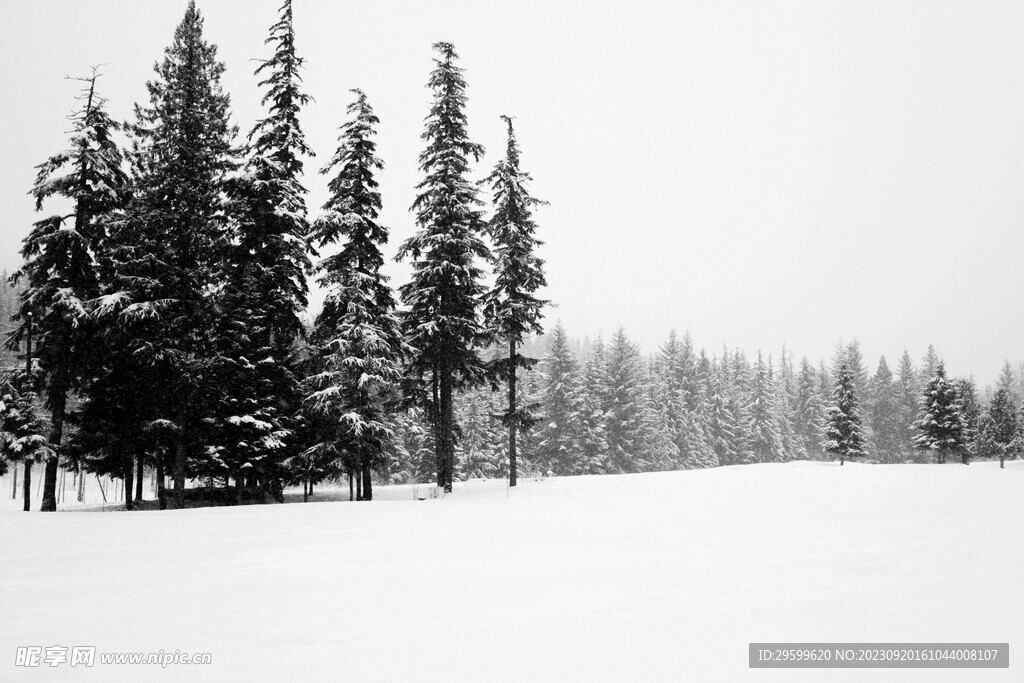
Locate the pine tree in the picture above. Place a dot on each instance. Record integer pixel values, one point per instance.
(907, 405)
(1001, 433)
(970, 410)
(886, 422)
(266, 292)
(765, 438)
(60, 267)
(593, 416)
(723, 425)
(511, 308)
(358, 335)
(929, 366)
(941, 424)
(163, 260)
(809, 412)
(22, 430)
(623, 428)
(842, 434)
(443, 296)
(558, 447)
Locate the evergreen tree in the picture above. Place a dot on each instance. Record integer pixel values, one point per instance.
(443, 296)
(511, 308)
(765, 438)
(842, 434)
(809, 412)
(941, 424)
(907, 405)
(23, 431)
(594, 449)
(558, 447)
(887, 426)
(266, 288)
(1001, 433)
(358, 336)
(60, 266)
(623, 429)
(723, 425)
(163, 260)
(970, 410)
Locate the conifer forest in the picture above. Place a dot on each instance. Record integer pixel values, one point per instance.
(159, 328)
(434, 340)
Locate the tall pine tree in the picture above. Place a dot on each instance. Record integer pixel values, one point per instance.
(60, 269)
(511, 308)
(843, 437)
(442, 321)
(358, 336)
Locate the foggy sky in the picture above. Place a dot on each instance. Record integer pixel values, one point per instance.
(757, 173)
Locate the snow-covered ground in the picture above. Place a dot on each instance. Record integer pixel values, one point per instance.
(644, 577)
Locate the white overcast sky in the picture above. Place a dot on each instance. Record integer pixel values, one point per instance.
(759, 173)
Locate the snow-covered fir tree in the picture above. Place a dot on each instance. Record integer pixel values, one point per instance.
(765, 437)
(887, 426)
(558, 435)
(265, 290)
(1002, 435)
(970, 410)
(22, 429)
(908, 395)
(843, 438)
(357, 338)
(60, 271)
(808, 413)
(594, 448)
(163, 260)
(511, 308)
(623, 410)
(442, 321)
(941, 425)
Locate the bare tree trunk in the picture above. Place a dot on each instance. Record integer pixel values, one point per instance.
(80, 477)
(128, 477)
(180, 458)
(161, 492)
(1002, 462)
(58, 401)
(367, 484)
(359, 484)
(14, 483)
(446, 411)
(27, 485)
(351, 492)
(512, 413)
(305, 489)
(140, 467)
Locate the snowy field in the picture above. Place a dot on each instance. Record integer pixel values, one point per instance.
(644, 577)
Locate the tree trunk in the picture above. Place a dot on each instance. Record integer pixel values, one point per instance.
(359, 484)
(27, 485)
(1002, 462)
(129, 473)
(140, 467)
(435, 424)
(80, 477)
(512, 413)
(305, 490)
(842, 461)
(180, 455)
(367, 484)
(351, 491)
(446, 412)
(59, 402)
(161, 493)
(14, 483)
